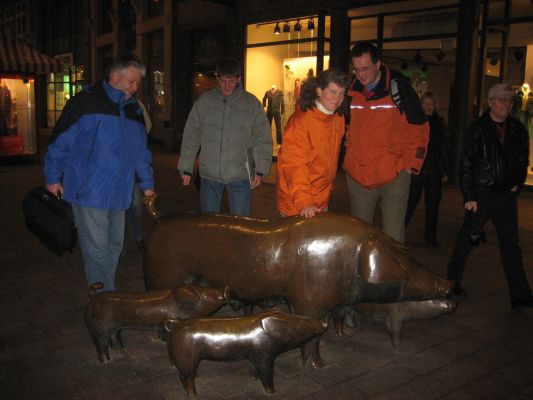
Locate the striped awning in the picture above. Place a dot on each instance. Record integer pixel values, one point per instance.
(18, 57)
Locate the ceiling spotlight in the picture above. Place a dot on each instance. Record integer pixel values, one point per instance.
(277, 30)
(297, 26)
(440, 56)
(286, 27)
(311, 24)
(417, 57)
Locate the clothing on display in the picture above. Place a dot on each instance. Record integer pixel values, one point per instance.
(275, 106)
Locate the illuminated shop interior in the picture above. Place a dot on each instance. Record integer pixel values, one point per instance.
(283, 54)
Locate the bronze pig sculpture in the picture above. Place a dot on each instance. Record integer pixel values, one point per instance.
(107, 313)
(317, 265)
(395, 314)
(260, 338)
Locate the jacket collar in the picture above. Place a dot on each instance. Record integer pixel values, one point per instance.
(234, 95)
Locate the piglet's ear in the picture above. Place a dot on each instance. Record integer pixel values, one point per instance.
(278, 327)
(186, 294)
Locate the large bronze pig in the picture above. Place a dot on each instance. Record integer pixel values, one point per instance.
(107, 313)
(318, 265)
(259, 338)
(395, 314)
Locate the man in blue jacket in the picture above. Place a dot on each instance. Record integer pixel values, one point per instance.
(99, 144)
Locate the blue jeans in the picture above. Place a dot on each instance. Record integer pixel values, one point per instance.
(239, 196)
(133, 214)
(101, 236)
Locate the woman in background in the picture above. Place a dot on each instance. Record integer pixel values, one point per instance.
(433, 171)
(308, 158)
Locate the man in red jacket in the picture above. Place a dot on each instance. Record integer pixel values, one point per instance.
(386, 143)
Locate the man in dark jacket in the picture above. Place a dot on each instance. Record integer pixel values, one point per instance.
(99, 146)
(492, 171)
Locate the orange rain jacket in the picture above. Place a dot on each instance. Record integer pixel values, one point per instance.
(308, 160)
(381, 141)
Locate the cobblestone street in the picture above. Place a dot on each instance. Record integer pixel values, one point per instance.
(482, 351)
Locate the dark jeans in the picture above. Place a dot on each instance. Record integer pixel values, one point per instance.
(432, 186)
(277, 120)
(501, 209)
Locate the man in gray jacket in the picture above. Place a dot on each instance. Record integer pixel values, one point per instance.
(230, 127)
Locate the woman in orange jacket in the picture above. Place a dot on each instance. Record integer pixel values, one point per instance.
(308, 158)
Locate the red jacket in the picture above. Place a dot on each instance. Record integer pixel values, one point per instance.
(307, 160)
(381, 141)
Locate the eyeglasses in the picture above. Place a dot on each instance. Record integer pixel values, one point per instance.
(363, 70)
(227, 81)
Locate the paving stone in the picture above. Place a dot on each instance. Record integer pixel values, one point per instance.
(425, 387)
(460, 372)
(383, 379)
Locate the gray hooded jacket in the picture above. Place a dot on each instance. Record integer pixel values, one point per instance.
(225, 128)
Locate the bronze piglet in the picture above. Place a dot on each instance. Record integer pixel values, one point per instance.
(258, 338)
(107, 313)
(395, 314)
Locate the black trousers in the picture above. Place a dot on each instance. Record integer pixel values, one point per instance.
(431, 184)
(501, 209)
(276, 115)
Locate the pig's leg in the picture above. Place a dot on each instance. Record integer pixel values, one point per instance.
(102, 346)
(115, 339)
(394, 323)
(339, 317)
(265, 369)
(187, 372)
(311, 355)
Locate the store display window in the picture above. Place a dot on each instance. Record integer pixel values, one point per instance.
(280, 56)
(17, 115)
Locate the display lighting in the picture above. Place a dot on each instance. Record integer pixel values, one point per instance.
(277, 30)
(286, 27)
(311, 24)
(297, 26)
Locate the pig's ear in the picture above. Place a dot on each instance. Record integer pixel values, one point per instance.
(278, 327)
(376, 263)
(186, 294)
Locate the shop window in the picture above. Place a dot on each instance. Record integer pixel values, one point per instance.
(17, 115)
(60, 87)
(155, 71)
(281, 69)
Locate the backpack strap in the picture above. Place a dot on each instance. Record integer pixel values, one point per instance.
(395, 94)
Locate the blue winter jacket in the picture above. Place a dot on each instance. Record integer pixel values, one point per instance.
(98, 146)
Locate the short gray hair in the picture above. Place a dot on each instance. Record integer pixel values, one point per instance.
(122, 63)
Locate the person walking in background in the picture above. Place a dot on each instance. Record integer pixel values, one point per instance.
(433, 171)
(308, 158)
(134, 213)
(492, 170)
(230, 127)
(386, 142)
(98, 147)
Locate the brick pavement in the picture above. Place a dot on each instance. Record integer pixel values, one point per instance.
(482, 351)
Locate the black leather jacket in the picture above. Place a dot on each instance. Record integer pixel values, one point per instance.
(490, 166)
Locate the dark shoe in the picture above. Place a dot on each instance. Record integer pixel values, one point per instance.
(140, 244)
(458, 289)
(524, 302)
(432, 242)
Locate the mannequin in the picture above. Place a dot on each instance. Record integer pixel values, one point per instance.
(6, 106)
(275, 106)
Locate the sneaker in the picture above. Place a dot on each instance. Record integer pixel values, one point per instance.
(432, 242)
(458, 289)
(524, 302)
